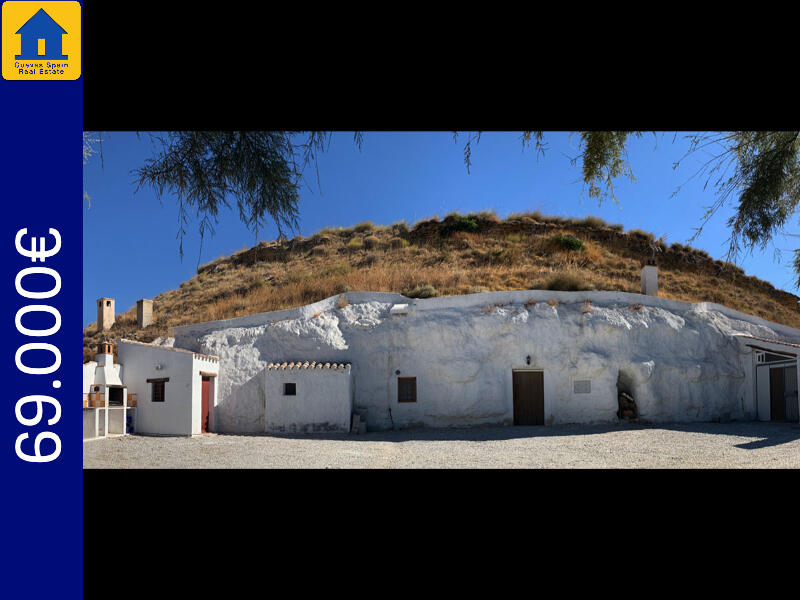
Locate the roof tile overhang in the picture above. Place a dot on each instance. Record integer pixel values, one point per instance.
(313, 365)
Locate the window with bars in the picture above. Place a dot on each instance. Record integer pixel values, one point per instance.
(406, 389)
(157, 389)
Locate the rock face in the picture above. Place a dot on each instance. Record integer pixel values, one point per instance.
(679, 361)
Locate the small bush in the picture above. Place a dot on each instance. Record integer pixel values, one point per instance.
(568, 242)
(514, 238)
(400, 228)
(355, 244)
(596, 222)
(638, 233)
(398, 242)
(322, 239)
(457, 222)
(364, 227)
(567, 282)
(486, 215)
(369, 260)
(342, 301)
(371, 241)
(423, 290)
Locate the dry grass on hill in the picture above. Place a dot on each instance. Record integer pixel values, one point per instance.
(457, 255)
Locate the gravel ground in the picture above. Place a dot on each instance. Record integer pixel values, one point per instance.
(695, 445)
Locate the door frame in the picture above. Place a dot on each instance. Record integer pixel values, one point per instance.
(212, 406)
(764, 388)
(544, 399)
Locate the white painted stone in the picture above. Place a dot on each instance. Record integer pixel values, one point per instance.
(323, 400)
(681, 359)
(650, 280)
(399, 309)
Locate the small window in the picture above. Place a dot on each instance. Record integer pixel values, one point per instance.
(157, 389)
(289, 389)
(406, 389)
(108, 302)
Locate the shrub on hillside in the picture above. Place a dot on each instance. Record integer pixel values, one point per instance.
(458, 222)
(593, 222)
(364, 227)
(423, 290)
(400, 228)
(568, 282)
(371, 241)
(568, 242)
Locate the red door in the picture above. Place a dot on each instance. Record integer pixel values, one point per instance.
(205, 403)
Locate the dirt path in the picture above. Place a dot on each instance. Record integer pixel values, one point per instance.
(696, 445)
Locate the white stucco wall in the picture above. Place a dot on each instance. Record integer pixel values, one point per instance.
(681, 359)
(88, 375)
(323, 401)
(179, 414)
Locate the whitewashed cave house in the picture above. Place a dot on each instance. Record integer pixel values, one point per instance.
(530, 357)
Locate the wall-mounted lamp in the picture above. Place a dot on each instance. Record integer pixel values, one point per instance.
(528, 359)
(397, 372)
(159, 367)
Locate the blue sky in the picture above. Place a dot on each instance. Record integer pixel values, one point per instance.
(130, 249)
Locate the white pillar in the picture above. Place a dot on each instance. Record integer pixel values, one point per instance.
(650, 280)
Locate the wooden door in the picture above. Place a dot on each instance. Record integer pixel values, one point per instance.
(777, 400)
(206, 395)
(528, 397)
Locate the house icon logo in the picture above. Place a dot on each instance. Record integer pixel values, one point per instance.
(41, 41)
(41, 38)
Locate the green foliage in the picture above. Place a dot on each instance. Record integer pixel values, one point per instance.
(203, 169)
(456, 222)
(604, 159)
(568, 242)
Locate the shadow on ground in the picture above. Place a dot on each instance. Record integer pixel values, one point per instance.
(769, 434)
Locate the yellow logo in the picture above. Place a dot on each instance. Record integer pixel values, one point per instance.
(41, 41)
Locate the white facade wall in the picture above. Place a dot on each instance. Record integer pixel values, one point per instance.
(88, 376)
(680, 360)
(179, 414)
(323, 400)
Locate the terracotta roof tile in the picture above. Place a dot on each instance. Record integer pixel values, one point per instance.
(308, 365)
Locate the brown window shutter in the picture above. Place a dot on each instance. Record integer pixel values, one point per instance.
(406, 389)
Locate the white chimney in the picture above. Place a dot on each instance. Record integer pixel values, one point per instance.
(106, 374)
(650, 280)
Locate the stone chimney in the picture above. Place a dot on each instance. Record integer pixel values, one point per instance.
(144, 312)
(105, 313)
(650, 280)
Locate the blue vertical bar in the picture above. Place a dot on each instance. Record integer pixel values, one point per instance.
(41, 504)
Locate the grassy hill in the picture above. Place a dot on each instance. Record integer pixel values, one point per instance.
(460, 254)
